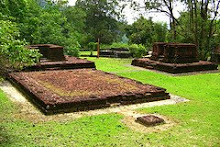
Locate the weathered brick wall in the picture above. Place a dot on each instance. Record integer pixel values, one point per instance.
(50, 51)
(174, 52)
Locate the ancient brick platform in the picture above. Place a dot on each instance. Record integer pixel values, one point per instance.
(115, 53)
(68, 63)
(50, 51)
(82, 89)
(216, 55)
(174, 58)
(174, 68)
(174, 52)
(54, 58)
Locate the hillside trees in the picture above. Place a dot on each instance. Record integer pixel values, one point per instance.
(197, 23)
(145, 31)
(101, 19)
(203, 16)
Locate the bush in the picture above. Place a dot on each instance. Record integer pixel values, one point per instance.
(92, 47)
(137, 50)
(13, 54)
(114, 45)
(72, 50)
(120, 45)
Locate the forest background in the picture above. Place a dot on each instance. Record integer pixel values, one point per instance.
(80, 26)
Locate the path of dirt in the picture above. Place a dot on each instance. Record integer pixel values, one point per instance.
(29, 112)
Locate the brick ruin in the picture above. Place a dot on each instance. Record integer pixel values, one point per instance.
(54, 58)
(50, 51)
(174, 53)
(216, 55)
(115, 53)
(53, 89)
(174, 58)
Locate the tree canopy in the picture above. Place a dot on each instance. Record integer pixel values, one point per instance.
(74, 27)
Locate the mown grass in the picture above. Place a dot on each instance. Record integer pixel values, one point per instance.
(198, 121)
(87, 53)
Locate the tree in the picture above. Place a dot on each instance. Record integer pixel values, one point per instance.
(76, 24)
(196, 25)
(51, 22)
(13, 55)
(167, 7)
(202, 17)
(101, 19)
(40, 21)
(145, 31)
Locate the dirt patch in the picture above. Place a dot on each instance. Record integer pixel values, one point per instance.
(83, 89)
(131, 116)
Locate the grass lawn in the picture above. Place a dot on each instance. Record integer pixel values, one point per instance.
(87, 52)
(198, 121)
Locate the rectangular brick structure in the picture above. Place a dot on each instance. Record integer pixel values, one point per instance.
(50, 51)
(174, 58)
(216, 55)
(54, 59)
(82, 89)
(115, 53)
(174, 53)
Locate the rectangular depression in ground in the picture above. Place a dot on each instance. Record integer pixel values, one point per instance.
(83, 89)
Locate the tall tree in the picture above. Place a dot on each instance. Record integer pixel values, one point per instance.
(167, 7)
(203, 16)
(145, 31)
(101, 20)
(197, 24)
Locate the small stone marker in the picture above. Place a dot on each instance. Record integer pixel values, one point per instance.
(150, 120)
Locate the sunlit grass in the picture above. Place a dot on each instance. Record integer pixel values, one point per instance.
(87, 53)
(197, 121)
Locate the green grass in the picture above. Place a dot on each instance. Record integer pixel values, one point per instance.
(87, 52)
(112, 64)
(198, 121)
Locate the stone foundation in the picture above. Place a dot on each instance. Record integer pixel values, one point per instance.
(174, 58)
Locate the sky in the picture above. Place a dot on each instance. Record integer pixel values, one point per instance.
(132, 15)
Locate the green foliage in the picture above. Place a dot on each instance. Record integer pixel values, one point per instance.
(14, 10)
(101, 19)
(75, 26)
(196, 24)
(119, 45)
(12, 51)
(144, 31)
(51, 25)
(92, 47)
(137, 50)
(206, 36)
(115, 45)
(72, 50)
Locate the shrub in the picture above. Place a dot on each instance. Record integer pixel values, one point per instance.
(13, 54)
(137, 50)
(72, 50)
(114, 45)
(119, 45)
(92, 47)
